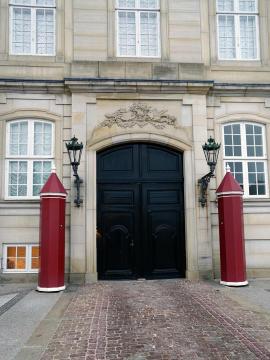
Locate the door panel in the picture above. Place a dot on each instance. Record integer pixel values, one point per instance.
(140, 212)
(117, 218)
(160, 163)
(119, 163)
(164, 233)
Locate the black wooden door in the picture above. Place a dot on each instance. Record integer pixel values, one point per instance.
(140, 208)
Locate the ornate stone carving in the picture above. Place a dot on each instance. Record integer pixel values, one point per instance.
(139, 114)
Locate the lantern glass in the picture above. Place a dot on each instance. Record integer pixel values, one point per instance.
(74, 151)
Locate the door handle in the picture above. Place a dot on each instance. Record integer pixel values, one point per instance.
(131, 244)
(98, 234)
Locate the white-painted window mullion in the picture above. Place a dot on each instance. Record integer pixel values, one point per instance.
(138, 33)
(237, 36)
(33, 31)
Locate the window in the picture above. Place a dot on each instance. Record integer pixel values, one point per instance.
(21, 258)
(245, 152)
(238, 34)
(29, 156)
(138, 28)
(32, 27)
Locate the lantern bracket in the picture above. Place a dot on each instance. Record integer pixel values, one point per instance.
(203, 182)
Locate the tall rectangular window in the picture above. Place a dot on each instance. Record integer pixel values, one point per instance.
(29, 157)
(245, 153)
(32, 27)
(138, 28)
(238, 29)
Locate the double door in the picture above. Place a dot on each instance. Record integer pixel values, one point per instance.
(140, 227)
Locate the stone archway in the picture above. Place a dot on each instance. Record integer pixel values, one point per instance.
(102, 140)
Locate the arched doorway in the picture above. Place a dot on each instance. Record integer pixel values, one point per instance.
(140, 212)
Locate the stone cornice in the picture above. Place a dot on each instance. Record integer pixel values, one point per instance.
(104, 85)
(145, 86)
(32, 86)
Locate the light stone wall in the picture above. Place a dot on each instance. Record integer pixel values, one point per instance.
(19, 220)
(222, 109)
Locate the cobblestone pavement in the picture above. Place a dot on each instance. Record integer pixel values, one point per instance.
(162, 319)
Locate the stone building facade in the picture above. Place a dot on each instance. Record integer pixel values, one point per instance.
(168, 73)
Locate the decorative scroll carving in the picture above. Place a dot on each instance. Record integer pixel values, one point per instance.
(139, 114)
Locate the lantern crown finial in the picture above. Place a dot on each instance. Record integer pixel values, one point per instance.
(211, 145)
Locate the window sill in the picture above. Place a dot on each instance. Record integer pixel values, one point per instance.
(19, 271)
(228, 64)
(32, 58)
(135, 59)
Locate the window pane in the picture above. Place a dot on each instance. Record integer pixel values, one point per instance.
(247, 5)
(11, 251)
(21, 264)
(232, 140)
(256, 178)
(237, 150)
(17, 178)
(225, 5)
(21, 2)
(21, 34)
(149, 4)
(254, 140)
(126, 4)
(11, 263)
(41, 173)
(228, 129)
(226, 39)
(18, 138)
(45, 2)
(248, 37)
(42, 139)
(35, 251)
(45, 31)
(237, 171)
(21, 251)
(35, 263)
(149, 34)
(35, 257)
(127, 33)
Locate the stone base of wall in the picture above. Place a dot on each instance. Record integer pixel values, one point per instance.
(251, 273)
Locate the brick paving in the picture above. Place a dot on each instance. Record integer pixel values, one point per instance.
(161, 320)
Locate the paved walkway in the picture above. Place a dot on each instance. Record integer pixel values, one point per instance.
(172, 319)
(21, 310)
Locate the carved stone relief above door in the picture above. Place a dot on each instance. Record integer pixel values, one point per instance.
(139, 114)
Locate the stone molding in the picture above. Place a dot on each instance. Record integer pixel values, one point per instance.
(139, 114)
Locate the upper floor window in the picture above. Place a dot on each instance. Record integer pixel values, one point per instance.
(29, 156)
(138, 28)
(245, 152)
(32, 27)
(238, 29)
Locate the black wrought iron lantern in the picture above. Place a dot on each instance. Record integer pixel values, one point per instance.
(211, 152)
(74, 149)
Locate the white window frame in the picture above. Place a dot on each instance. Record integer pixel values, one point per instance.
(245, 159)
(137, 10)
(236, 14)
(28, 259)
(29, 158)
(33, 7)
